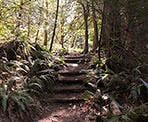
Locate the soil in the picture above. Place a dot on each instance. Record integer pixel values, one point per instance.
(65, 113)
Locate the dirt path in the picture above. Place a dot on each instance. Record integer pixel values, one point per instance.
(67, 103)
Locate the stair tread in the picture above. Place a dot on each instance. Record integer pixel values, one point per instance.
(71, 72)
(72, 78)
(72, 88)
(75, 60)
(66, 97)
(75, 56)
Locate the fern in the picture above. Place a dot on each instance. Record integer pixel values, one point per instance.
(10, 97)
(5, 102)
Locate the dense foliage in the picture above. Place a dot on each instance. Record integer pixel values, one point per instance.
(26, 72)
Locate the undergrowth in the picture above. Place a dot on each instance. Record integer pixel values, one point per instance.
(118, 96)
(26, 71)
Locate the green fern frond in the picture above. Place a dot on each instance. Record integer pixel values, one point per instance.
(5, 102)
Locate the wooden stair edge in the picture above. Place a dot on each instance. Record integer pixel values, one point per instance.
(72, 72)
(75, 60)
(79, 77)
(66, 97)
(71, 82)
(66, 100)
(76, 56)
(69, 89)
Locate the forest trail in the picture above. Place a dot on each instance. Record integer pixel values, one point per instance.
(66, 104)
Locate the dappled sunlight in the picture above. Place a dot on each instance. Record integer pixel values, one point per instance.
(72, 65)
(66, 113)
(73, 61)
(56, 116)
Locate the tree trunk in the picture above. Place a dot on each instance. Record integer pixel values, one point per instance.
(18, 24)
(101, 33)
(37, 34)
(39, 24)
(124, 34)
(46, 24)
(85, 13)
(105, 28)
(62, 33)
(95, 24)
(55, 24)
(111, 34)
(62, 41)
(45, 36)
(29, 21)
(137, 28)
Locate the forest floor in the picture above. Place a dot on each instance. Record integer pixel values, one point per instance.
(67, 104)
(77, 88)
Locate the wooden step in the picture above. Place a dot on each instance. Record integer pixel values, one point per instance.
(71, 78)
(75, 60)
(66, 98)
(76, 88)
(74, 67)
(70, 82)
(72, 73)
(75, 56)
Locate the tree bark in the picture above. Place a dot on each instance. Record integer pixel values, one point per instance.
(39, 24)
(95, 24)
(46, 24)
(29, 21)
(85, 13)
(55, 25)
(111, 34)
(18, 24)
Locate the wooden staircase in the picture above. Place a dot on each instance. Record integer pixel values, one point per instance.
(71, 87)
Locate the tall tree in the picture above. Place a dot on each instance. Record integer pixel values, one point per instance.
(85, 7)
(38, 24)
(18, 23)
(55, 24)
(46, 23)
(29, 20)
(137, 28)
(95, 25)
(123, 25)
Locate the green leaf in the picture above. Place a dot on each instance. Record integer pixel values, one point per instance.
(5, 102)
(28, 97)
(126, 118)
(17, 100)
(10, 84)
(114, 119)
(88, 94)
(35, 84)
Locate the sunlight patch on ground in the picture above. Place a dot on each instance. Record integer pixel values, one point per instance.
(58, 115)
(73, 65)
